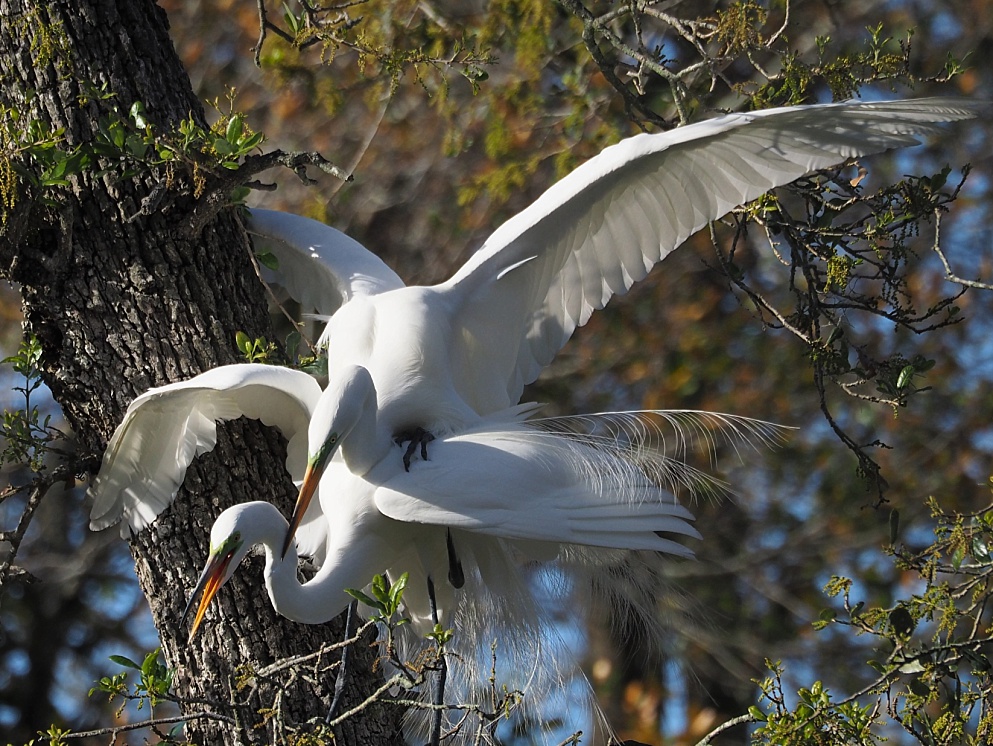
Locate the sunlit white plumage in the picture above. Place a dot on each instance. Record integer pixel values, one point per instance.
(523, 483)
(501, 318)
(442, 356)
(449, 357)
(165, 428)
(496, 498)
(445, 355)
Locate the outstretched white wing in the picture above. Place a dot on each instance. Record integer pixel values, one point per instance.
(605, 225)
(165, 428)
(319, 266)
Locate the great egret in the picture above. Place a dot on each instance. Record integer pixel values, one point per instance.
(493, 500)
(497, 495)
(442, 356)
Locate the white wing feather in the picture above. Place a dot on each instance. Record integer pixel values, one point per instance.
(319, 266)
(605, 225)
(531, 485)
(165, 428)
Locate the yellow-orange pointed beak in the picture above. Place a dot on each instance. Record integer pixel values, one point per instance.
(211, 579)
(310, 481)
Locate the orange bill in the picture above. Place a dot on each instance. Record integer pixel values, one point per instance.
(307, 489)
(211, 579)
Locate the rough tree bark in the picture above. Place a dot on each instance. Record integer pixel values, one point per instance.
(122, 304)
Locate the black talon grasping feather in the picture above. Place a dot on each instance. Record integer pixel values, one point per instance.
(418, 436)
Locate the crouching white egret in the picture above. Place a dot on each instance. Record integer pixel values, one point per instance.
(494, 497)
(504, 493)
(443, 355)
(539, 483)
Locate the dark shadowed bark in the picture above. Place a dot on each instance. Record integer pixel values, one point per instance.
(121, 303)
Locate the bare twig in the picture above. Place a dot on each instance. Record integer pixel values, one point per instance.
(115, 730)
(949, 274)
(39, 488)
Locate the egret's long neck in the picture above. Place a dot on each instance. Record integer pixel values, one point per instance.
(369, 439)
(323, 597)
(368, 443)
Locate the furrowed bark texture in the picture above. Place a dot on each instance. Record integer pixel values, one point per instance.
(120, 306)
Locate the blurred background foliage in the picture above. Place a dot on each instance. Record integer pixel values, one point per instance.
(452, 116)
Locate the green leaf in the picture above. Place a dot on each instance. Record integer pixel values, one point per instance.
(148, 665)
(124, 661)
(236, 126)
(137, 114)
(905, 375)
(880, 667)
(291, 344)
(243, 342)
(396, 592)
(363, 598)
(252, 141)
(757, 714)
(919, 688)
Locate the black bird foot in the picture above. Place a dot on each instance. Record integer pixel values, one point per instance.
(413, 438)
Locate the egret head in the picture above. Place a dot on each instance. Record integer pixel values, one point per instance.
(347, 399)
(231, 537)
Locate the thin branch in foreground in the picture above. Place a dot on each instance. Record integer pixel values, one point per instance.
(115, 730)
(39, 488)
(949, 274)
(733, 722)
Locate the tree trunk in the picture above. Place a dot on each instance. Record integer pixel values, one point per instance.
(121, 303)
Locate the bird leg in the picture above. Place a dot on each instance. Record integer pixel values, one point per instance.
(417, 436)
(439, 683)
(455, 574)
(339, 683)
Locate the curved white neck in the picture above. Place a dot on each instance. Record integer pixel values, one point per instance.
(369, 441)
(321, 598)
(350, 407)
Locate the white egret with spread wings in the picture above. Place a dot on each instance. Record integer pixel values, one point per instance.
(450, 361)
(443, 355)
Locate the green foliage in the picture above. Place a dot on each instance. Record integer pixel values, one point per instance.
(54, 736)
(740, 26)
(256, 350)
(132, 144)
(50, 44)
(153, 686)
(386, 599)
(933, 671)
(530, 22)
(388, 46)
(34, 163)
(440, 635)
(852, 257)
(844, 72)
(26, 433)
